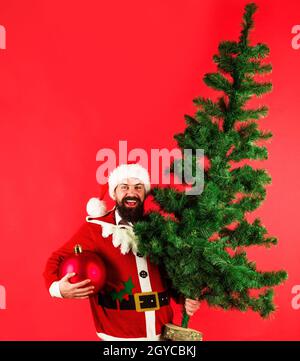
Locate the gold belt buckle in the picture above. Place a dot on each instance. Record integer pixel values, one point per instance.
(138, 301)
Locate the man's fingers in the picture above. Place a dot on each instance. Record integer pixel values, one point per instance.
(81, 284)
(68, 276)
(192, 302)
(191, 306)
(84, 294)
(80, 291)
(190, 311)
(81, 297)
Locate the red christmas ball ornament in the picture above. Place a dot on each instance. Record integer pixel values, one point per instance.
(86, 265)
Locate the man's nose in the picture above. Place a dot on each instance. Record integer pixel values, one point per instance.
(131, 191)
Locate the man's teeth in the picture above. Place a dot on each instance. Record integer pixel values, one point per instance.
(129, 201)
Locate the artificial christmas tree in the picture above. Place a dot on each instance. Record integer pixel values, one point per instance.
(202, 242)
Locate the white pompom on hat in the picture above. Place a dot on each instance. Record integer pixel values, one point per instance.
(125, 171)
(96, 206)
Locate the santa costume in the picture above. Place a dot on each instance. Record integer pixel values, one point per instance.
(134, 303)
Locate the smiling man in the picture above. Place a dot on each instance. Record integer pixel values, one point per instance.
(135, 301)
(130, 197)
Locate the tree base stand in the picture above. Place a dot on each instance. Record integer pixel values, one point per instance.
(177, 333)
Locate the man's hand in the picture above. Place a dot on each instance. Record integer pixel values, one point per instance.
(191, 306)
(74, 290)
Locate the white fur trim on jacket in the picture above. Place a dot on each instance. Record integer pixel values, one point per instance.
(122, 236)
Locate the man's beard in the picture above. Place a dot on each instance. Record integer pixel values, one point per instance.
(130, 214)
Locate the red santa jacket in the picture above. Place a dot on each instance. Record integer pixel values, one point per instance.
(133, 285)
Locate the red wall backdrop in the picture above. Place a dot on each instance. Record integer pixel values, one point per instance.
(78, 76)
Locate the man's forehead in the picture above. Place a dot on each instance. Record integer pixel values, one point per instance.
(132, 181)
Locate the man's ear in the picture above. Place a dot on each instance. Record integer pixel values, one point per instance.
(115, 194)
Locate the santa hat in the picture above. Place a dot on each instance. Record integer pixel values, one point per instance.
(125, 171)
(96, 206)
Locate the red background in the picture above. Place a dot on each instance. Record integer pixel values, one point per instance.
(78, 76)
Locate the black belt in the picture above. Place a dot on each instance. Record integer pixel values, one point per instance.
(141, 302)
